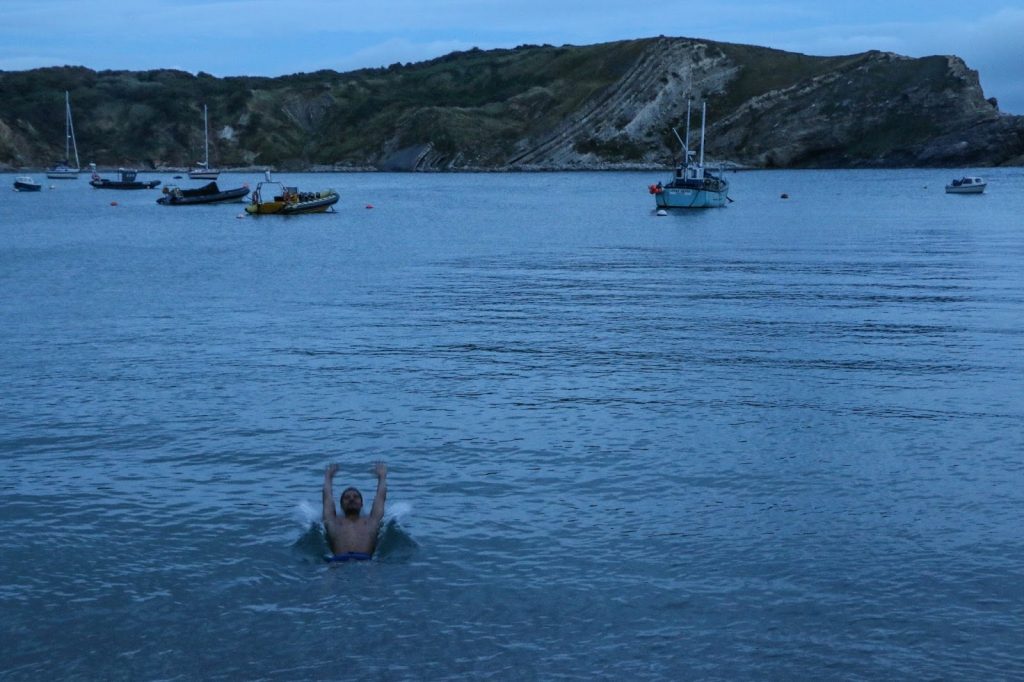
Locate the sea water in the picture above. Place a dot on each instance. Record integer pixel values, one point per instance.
(779, 440)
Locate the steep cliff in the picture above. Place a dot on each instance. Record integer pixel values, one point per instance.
(533, 107)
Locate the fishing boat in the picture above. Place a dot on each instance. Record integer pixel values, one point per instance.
(126, 181)
(24, 183)
(273, 197)
(967, 185)
(693, 185)
(203, 170)
(209, 193)
(63, 171)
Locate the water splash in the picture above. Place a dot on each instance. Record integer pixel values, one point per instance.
(306, 514)
(311, 544)
(394, 542)
(397, 511)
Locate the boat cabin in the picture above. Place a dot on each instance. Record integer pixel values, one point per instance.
(689, 170)
(967, 181)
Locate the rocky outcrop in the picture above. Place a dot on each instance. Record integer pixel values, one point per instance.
(622, 123)
(534, 107)
(876, 110)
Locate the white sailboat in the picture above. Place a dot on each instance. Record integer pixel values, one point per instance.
(62, 171)
(203, 170)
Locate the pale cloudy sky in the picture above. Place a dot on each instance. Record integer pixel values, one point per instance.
(275, 37)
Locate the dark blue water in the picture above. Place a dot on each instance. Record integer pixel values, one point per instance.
(781, 440)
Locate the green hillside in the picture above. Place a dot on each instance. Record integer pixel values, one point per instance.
(532, 106)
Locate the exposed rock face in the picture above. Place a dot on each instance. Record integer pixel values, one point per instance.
(635, 111)
(535, 107)
(876, 110)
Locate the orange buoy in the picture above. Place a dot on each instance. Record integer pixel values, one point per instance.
(369, 206)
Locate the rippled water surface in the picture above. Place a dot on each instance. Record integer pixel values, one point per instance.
(781, 440)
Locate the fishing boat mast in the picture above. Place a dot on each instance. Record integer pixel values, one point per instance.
(687, 145)
(703, 115)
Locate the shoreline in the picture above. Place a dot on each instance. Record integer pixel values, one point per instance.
(724, 167)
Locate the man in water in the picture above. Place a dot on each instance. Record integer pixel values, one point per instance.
(353, 537)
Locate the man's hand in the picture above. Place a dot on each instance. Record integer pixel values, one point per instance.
(377, 511)
(329, 513)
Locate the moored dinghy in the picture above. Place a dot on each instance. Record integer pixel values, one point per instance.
(273, 197)
(209, 193)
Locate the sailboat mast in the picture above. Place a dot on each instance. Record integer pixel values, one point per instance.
(69, 132)
(67, 128)
(206, 141)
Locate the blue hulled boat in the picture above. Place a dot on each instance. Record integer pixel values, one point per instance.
(693, 185)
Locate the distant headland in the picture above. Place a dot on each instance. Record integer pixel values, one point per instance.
(535, 107)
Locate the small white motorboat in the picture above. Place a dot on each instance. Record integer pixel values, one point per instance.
(967, 185)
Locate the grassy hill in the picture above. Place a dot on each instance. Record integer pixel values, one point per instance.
(593, 106)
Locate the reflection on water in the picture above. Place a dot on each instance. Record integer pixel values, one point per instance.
(776, 440)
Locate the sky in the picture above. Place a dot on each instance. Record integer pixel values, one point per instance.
(277, 37)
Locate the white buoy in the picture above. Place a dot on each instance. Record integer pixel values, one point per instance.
(662, 212)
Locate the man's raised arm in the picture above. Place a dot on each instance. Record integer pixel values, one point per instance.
(329, 513)
(377, 512)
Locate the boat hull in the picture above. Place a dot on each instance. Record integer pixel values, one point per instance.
(203, 175)
(971, 189)
(113, 184)
(692, 197)
(62, 174)
(203, 195)
(321, 202)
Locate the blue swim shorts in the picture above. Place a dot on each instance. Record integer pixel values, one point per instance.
(349, 556)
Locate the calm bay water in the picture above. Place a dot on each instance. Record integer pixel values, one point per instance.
(782, 440)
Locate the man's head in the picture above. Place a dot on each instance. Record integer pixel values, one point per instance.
(351, 501)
